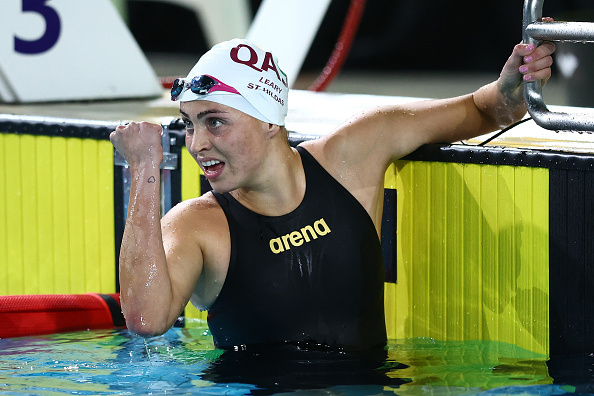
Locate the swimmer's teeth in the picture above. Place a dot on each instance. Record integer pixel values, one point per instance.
(211, 163)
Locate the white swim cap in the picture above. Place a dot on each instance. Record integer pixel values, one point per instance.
(241, 75)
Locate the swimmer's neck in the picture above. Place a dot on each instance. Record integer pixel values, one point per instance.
(281, 192)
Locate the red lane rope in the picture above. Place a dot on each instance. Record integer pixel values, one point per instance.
(342, 47)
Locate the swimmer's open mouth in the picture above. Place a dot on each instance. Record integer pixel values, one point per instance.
(212, 167)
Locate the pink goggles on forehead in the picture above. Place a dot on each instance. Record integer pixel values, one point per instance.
(200, 85)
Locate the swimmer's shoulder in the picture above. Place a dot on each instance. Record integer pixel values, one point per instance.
(200, 219)
(195, 206)
(199, 227)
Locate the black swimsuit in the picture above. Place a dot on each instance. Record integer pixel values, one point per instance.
(314, 275)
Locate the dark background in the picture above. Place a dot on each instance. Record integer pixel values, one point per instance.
(394, 35)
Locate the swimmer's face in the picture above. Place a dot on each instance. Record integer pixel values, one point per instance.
(228, 145)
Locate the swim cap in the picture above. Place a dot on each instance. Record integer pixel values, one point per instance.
(239, 66)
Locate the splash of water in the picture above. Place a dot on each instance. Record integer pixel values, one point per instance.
(148, 353)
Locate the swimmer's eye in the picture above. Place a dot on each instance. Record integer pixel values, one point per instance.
(188, 125)
(214, 122)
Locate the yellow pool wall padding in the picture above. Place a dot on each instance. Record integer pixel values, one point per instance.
(56, 215)
(472, 254)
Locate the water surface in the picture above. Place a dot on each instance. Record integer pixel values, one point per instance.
(184, 361)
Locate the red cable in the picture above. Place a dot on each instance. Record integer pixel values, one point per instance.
(167, 82)
(342, 47)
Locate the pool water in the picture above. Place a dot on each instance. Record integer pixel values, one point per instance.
(184, 361)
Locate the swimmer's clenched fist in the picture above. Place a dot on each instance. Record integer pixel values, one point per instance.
(139, 143)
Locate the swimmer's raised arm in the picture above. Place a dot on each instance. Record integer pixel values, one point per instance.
(379, 136)
(359, 152)
(153, 288)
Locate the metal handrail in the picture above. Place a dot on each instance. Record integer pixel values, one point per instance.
(534, 32)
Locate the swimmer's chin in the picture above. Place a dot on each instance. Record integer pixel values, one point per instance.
(221, 188)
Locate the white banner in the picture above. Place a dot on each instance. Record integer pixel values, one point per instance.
(60, 50)
(287, 28)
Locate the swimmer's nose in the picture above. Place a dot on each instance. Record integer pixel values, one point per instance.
(197, 142)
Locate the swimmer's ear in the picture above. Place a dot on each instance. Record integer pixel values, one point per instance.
(271, 129)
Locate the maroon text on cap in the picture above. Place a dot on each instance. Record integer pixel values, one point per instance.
(267, 62)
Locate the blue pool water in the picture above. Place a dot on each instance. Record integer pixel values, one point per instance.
(184, 361)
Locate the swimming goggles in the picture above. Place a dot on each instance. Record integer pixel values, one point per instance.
(200, 85)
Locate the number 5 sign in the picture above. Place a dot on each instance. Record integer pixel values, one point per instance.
(59, 50)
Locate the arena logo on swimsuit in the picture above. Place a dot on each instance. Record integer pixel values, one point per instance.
(298, 238)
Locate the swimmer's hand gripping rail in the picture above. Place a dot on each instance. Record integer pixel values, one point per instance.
(534, 32)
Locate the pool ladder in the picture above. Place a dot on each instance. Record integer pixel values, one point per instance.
(535, 32)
